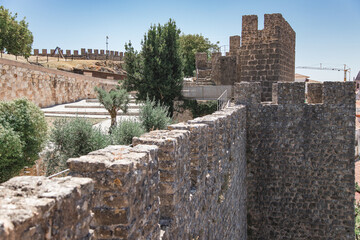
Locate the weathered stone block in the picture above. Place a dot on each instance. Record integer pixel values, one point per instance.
(314, 93)
(42, 208)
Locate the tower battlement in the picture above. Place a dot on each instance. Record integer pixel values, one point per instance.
(335, 93)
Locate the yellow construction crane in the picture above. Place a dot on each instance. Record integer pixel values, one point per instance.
(346, 70)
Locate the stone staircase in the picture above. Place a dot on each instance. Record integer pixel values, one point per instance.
(89, 108)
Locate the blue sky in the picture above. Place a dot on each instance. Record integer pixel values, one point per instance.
(327, 31)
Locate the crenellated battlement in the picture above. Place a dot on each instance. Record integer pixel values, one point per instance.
(84, 53)
(276, 28)
(284, 93)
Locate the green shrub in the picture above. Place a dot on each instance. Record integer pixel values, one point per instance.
(11, 153)
(124, 132)
(28, 121)
(199, 109)
(154, 116)
(357, 221)
(77, 137)
(72, 138)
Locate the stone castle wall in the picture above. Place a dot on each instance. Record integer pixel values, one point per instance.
(258, 170)
(300, 161)
(46, 87)
(95, 54)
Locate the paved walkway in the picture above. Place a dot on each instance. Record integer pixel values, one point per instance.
(91, 108)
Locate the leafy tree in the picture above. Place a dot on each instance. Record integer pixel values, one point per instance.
(113, 101)
(191, 44)
(11, 153)
(23, 131)
(158, 69)
(27, 120)
(15, 37)
(133, 68)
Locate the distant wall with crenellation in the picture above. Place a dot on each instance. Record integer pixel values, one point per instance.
(91, 54)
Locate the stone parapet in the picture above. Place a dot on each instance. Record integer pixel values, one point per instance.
(42, 208)
(126, 200)
(174, 170)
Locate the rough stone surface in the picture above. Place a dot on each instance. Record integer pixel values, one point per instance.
(46, 87)
(174, 169)
(300, 162)
(126, 199)
(267, 55)
(42, 208)
(204, 160)
(314, 94)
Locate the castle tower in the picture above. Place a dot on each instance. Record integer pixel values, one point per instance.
(267, 55)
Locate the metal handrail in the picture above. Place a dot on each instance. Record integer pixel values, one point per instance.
(59, 173)
(221, 101)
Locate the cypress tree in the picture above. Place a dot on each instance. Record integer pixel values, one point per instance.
(159, 75)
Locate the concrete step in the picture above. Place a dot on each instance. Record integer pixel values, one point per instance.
(119, 117)
(99, 106)
(79, 112)
(95, 100)
(76, 115)
(84, 108)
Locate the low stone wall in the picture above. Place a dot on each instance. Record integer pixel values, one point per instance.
(42, 208)
(46, 87)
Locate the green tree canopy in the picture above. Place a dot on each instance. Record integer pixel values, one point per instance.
(157, 71)
(133, 68)
(191, 44)
(15, 37)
